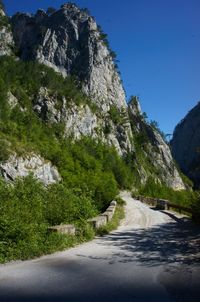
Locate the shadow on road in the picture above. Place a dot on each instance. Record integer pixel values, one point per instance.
(171, 250)
(177, 241)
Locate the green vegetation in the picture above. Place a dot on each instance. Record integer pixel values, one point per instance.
(104, 37)
(24, 80)
(92, 173)
(156, 127)
(4, 21)
(156, 190)
(119, 117)
(27, 211)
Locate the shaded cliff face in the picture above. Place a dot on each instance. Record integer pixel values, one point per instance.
(186, 145)
(70, 41)
(6, 37)
(155, 156)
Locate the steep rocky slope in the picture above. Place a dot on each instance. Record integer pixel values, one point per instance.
(155, 155)
(71, 43)
(6, 36)
(186, 144)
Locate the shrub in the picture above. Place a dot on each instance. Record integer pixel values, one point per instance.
(156, 190)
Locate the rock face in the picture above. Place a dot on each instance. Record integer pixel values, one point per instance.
(155, 149)
(21, 166)
(70, 42)
(186, 145)
(81, 121)
(6, 37)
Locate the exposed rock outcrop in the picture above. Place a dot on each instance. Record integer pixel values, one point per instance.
(70, 42)
(6, 37)
(81, 121)
(160, 162)
(21, 166)
(186, 145)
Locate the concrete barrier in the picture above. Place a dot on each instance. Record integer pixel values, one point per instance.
(63, 229)
(163, 204)
(113, 203)
(105, 217)
(108, 215)
(98, 221)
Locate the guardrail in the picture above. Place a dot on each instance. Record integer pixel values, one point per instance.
(105, 217)
(163, 204)
(96, 222)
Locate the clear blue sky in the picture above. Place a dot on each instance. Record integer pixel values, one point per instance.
(158, 46)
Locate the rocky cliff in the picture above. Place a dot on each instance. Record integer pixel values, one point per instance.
(6, 37)
(186, 144)
(71, 43)
(155, 157)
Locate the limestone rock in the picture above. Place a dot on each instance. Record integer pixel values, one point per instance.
(12, 100)
(21, 166)
(81, 121)
(6, 37)
(156, 151)
(186, 145)
(70, 42)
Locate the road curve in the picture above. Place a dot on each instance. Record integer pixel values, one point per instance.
(153, 256)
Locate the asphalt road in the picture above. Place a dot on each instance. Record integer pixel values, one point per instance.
(153, 256)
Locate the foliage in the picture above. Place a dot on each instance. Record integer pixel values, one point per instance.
(92, 173)
(120, 201)
(104, 37)
(144, 116)
(24, 80)
(157, 190)
(118, 116)
(4, 21)
(156, 127)
(28, 208)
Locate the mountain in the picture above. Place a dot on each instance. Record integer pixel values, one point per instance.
(6, 37)
(65, 77)
(186, 145)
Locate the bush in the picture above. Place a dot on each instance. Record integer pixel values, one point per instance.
(156, 190)
(63, 206)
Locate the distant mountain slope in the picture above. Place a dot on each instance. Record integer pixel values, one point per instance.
(186, 144)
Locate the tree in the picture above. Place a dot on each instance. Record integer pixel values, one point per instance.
(144, 116)
(156, 127)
